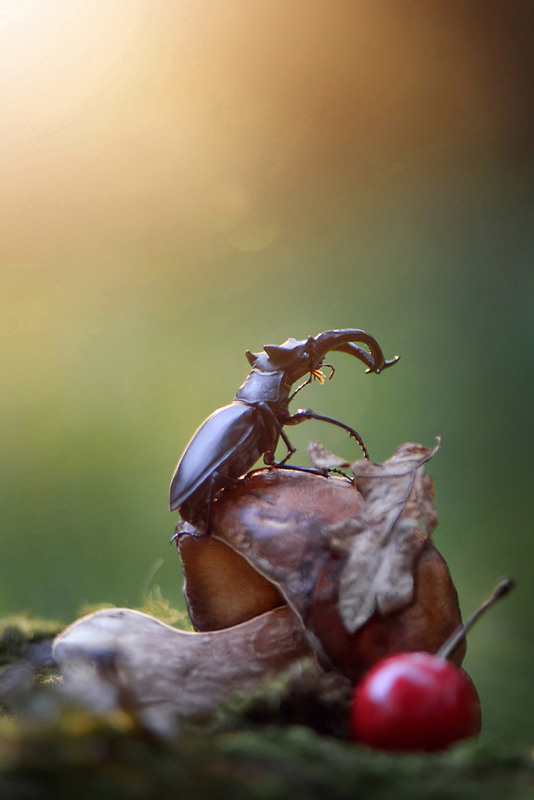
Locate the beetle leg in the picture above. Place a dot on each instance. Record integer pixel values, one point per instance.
(278, 432)
(182, 528)
(283, 465)
(290, 448)
(268, 457)
(315, 374)
(305, 413)
(324, 471)
(302, 385)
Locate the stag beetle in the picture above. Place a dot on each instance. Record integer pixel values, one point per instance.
(232, 439)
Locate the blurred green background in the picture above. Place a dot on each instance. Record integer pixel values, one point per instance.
(182, 181)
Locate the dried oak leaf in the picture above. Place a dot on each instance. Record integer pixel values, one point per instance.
(321, 458)
(383, 542)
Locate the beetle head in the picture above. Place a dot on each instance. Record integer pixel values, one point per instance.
(295, 357)
(298, 357)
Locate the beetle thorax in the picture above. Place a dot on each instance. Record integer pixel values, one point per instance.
(276, 369)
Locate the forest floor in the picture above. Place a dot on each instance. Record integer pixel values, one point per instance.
(264, 747)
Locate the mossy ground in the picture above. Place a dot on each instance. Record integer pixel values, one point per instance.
(259, 747)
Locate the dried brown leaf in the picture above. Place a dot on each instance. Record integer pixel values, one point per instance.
(382, 543)
(321, 458)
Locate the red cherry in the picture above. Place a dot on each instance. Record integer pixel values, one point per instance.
(415, 701)
(420, 701)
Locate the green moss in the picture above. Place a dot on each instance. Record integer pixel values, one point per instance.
(154, 604)
(20, 630)
(159, 607)
(83, 756)
(301, 695)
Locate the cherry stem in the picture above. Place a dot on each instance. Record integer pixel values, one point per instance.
(457, 635)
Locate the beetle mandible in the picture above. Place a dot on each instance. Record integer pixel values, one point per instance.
(234, 437)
